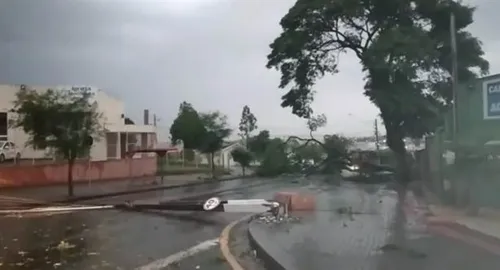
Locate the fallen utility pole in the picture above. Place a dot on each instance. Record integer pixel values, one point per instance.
(211, 205)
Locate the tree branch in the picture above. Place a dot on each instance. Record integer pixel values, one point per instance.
(307, 141)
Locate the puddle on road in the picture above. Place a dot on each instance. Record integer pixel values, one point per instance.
(350, 227)
(48, 242)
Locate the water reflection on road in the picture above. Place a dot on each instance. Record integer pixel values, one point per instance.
(117, 240)
(376, 232)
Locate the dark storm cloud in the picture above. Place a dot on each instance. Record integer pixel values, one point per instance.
(155, 54)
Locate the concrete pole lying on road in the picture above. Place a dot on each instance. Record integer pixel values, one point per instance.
(211, 205)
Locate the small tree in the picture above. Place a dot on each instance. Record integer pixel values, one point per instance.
(64, 121)
(248, 123)
(187, 127)
(215, 131)
(243, 157)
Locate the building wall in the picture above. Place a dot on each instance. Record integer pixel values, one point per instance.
(112, 110)
(37, 175)
(222, 158)
(473, 125)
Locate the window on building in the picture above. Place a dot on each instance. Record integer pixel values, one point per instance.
(3, 124)
(112, 145)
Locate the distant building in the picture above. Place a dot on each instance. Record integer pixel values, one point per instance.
(223, 157)
(118, 139)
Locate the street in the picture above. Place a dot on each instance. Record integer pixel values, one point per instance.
(120, 240)
(167, 240)
(360, 226)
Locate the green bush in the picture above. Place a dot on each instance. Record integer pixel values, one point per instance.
(275, 160)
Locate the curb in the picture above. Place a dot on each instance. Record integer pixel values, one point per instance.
(224, 243)
(269, 261)
(141, 190)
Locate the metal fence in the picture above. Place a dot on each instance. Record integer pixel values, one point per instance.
(459, 180)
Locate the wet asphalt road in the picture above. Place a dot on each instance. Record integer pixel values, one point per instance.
(326, 239)
(116, 239)
(374, 234)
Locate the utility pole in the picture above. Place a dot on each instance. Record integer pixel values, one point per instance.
(377, 139)
(454, 74)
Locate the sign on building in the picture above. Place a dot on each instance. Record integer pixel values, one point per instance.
(491, 99)
(76, 88)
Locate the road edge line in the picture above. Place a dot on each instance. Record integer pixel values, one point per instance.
(179, 256)
(224, 243)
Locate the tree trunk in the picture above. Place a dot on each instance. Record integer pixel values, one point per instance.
(397, 145)
(212, 158)
(243, 170)
(71, 162)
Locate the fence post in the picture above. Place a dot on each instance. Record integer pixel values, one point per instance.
(89, 179)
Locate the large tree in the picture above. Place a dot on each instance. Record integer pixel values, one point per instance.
(248, 124)
(187, 127)
(402, 45)
(216, 130)
(65, 121)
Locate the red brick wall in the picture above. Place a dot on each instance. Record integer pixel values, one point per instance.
(36, 175)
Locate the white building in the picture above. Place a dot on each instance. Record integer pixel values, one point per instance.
(117, 140)
(222, 157)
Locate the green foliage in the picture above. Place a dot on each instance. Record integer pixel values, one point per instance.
(337, 148)
(275, 159)
(315, 122)
(328, 156)
(204, 132)
(65, 121)
(60, 120)
(309, 152)
(403, 46)
(258, 144)
(242, 156)
(216, 130)
(248, 123)
(188, 127)
(337, 145)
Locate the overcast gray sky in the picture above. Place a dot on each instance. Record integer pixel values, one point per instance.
(157, 53)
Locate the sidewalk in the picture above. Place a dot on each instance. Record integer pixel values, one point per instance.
(486, 222)
(59, 192)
